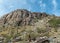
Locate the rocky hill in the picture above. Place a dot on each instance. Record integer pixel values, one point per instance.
(21, 17)
(23, 26)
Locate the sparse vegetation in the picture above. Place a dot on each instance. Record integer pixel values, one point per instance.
(55, 22)
(19, 26)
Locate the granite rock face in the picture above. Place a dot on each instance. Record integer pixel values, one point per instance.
(21, 17)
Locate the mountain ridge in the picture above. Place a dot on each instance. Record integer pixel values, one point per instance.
(21, 17)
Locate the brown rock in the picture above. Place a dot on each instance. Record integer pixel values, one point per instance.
(42, 40)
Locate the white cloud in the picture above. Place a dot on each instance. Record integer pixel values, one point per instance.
(32, 1)
(42, 5)
(11, 6)
(29, 8)
(1, 12)
(1, 1)
(22, 1)
(54, 4)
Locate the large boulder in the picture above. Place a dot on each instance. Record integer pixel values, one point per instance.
(42, 40)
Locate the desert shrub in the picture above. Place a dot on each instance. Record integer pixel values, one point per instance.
(7, 38)
(34, 35)
(41, 30)
(36, 20)
(24, 36)
(55, 22)
(24, 41)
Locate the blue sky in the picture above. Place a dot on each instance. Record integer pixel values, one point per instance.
(48, 6)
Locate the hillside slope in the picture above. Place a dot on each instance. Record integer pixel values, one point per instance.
(23, 26)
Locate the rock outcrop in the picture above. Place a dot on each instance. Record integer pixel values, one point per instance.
(21, 17)
(42, 40)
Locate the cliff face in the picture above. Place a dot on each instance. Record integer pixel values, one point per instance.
(21, 17)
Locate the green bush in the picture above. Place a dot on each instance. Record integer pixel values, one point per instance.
(41, 30)
(55, 22)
